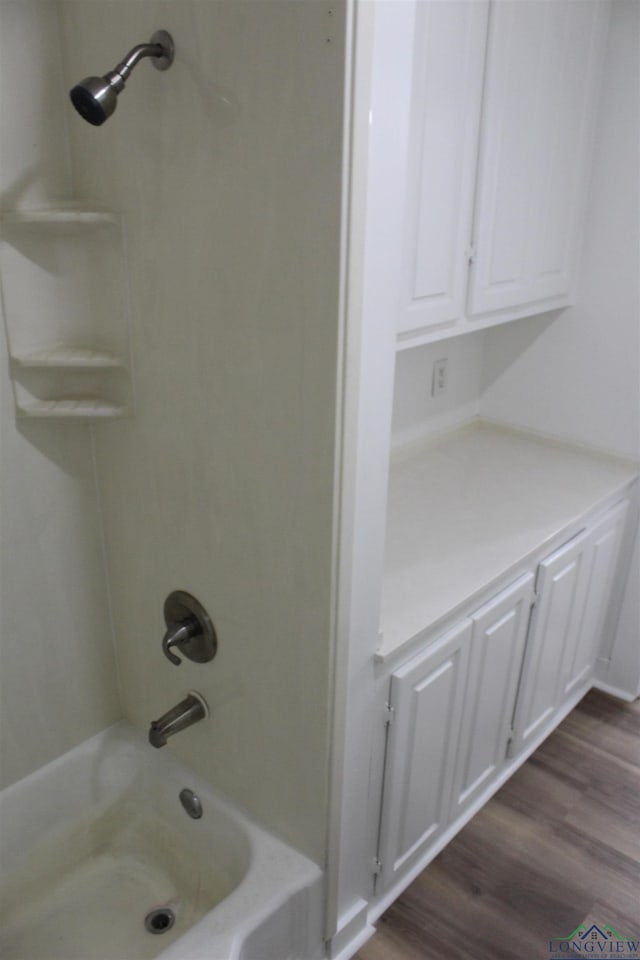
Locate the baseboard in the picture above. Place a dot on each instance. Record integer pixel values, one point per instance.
(616, 692)
(351, 948)
(354, 931)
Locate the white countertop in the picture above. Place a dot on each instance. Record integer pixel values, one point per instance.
(466, 507)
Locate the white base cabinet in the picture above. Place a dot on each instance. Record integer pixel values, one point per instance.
(497, 645)
(604, 549)
(464, 712)
(555, 624)
(573, 587)
(425, 711)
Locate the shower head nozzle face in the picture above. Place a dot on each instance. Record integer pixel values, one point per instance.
(95, 99)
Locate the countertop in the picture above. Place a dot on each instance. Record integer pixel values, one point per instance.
(465, 508)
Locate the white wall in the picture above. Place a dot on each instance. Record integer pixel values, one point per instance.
(416, 412)
(226, 170)
(57, 670)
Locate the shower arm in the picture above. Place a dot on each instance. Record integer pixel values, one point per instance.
(138, 53)
(161, 50)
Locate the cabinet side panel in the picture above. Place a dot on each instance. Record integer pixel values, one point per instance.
(606, 540)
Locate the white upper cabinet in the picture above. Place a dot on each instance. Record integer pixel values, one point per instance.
(503, 97)
(448, 61)
(543, 63)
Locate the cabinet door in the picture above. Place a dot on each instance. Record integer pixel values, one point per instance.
(543, 65)
(497, 644)
(426, 696)
(561, 585)
(605, 539)
(446, 88)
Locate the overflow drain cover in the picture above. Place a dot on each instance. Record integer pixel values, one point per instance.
(159, 921)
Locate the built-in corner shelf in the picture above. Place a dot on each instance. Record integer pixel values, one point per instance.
(72, 408)
(64, 215)
(62, 269)
(62, 357)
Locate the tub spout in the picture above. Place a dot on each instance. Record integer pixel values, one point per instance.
(183, 715)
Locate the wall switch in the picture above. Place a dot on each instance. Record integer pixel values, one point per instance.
(439, 378)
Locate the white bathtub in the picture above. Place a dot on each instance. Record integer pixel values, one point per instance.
(95, 840)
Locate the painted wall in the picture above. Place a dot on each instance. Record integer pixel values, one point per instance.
(416, 412)
(226, 170)
(57, 669)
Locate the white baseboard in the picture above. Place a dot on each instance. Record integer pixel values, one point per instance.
(354, 931)
(616, 692)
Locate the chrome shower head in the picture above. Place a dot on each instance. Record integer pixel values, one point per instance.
(95, 98)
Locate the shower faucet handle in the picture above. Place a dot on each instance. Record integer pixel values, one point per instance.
(189, 629)
(177, 635)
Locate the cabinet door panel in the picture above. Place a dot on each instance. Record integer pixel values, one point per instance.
(497, 643)
(561, 584)
(544, 61)
(427, 696)
(448, 58)
(605, 542)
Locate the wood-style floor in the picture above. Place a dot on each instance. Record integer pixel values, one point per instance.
(558, 845)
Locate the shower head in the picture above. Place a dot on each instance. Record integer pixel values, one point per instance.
(95, 98)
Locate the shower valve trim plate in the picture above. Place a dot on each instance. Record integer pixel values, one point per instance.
(189, 629)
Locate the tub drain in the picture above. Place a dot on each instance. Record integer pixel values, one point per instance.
(159, 921)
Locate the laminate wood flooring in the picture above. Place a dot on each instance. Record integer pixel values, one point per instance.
(557, 846)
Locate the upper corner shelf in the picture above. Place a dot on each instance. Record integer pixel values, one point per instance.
(70, 215)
